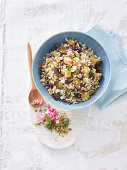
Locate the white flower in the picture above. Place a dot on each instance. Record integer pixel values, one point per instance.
(62, 80)
(80, 75)
(62, 97)
(61, 58)
(57, 121)
(57, 54)
(57, 90)
(74, 68)
(69, 52)
(54, 88)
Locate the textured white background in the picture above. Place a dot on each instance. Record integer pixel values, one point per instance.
(104, 145)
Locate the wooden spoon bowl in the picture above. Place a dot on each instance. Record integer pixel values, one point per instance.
(35, 95)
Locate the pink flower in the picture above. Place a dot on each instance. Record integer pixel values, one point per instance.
(39, 117)
(36, 101)
(52, 119)
(40, 122)
(49, 107)
(48, 112)
(52, 110)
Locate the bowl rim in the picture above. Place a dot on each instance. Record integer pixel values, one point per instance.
(69, 106)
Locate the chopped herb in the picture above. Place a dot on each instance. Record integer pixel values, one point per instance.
(56, 46)
(91, 73)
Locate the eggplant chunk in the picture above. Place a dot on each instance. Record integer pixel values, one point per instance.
(55, 96)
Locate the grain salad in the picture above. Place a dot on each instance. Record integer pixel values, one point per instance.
(71, 72)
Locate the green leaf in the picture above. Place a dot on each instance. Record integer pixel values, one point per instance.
(39, 71)
(37, 124)
(56, 46)
(69, 67)
(48, 119)
(92, 93)
(66, 123)
(91, 73)
(32, 104)
(40, 110)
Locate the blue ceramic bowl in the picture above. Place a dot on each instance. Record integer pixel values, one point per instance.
(58, 39)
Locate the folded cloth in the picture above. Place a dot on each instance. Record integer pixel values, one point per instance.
(110, 41)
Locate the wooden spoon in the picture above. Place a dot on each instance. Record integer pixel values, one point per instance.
(34, 93)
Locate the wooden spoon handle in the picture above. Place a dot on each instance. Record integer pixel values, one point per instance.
(29, 52)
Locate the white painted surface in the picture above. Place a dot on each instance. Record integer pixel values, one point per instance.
(104, 145)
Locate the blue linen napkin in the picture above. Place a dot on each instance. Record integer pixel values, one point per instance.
(110, 41)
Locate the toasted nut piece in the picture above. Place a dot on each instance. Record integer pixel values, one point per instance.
(57, 59)
(70, 41)
(96, 61)
(51, 82)
(96, 84)
(76, 59)
(85, 74)
(60, 85)
(68, 74)
(98, 75)
(86, 71)
(48, 60)
(63, 70)
(76, 82)
(90, 51)
(85, 96)
(84, 80)
(53, 53)
(63, 51)
(92, 57)
(67, 60)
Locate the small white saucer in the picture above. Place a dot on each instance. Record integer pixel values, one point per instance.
(79, 120)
